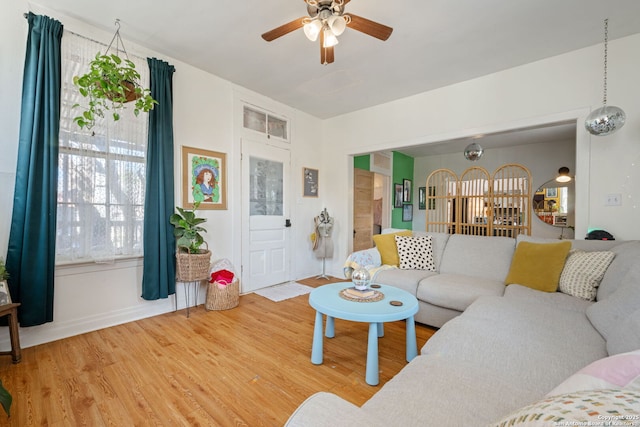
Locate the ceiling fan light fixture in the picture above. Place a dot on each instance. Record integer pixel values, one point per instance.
(330, 39)
(312, 29)
(337, 24)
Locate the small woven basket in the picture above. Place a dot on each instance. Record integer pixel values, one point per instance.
(191, 267)
(223, 298)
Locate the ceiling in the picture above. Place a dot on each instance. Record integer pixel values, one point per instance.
(434, 43)
(534, 135)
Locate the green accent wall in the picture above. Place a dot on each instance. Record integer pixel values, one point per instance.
(402, 169)
(362, 162)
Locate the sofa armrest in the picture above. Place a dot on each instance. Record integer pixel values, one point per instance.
(328, 410)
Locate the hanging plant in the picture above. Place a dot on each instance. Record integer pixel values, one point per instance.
(111, 83)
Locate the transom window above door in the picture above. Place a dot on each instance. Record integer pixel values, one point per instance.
(263, 122)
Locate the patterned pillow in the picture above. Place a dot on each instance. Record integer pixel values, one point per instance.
(619, 371)
(416, 253)
(588, 407)
(583, 272)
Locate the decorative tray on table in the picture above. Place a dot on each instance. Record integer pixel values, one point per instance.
(370, 295)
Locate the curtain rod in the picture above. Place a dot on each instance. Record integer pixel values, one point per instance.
(26, 15)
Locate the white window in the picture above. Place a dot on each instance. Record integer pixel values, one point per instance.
(266, 123)
(101, 174)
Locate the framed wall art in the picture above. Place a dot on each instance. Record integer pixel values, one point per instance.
(397, 201)
(422, 198)
(309, 182)
(407, 213)
(406, 186)
(204, 178)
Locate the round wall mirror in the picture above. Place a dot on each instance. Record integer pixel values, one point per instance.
(554, 203)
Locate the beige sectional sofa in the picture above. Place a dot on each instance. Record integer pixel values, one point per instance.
(500, 348)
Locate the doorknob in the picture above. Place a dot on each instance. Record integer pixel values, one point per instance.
(354, 232)
(287, 223)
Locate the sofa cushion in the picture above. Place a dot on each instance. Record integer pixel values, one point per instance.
(627, 254)
(619, 371)
(406, 280)
(583, 272)
(433, 391)
(625, 337)
(550, 299)
(478, 256)
(386, 244)
(538, 265)
(456, 291)
(415, 252)
(609, 314)
(521, 340)
(591, 407)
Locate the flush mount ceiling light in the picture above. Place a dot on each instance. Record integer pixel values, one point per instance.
(327, 21)
(563, 175)
(473, 152)
(606, 119)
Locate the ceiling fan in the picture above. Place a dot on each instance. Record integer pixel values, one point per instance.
(326, 21)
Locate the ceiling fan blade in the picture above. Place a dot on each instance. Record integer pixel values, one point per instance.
(326, 53)
(368, 27)
(283, 29)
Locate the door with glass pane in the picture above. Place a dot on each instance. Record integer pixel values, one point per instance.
(265, 215)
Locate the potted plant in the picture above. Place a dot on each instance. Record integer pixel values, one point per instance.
(5, 396)
(192, 261)
(110, 83)
(4, 274)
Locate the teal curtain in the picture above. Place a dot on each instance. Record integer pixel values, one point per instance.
(32, 239)
(159, 271)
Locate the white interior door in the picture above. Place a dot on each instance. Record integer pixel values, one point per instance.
(265, 211)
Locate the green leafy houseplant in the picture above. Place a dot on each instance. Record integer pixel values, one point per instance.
(4, 274)
(5, 399)
(110, 83)
(187, 229)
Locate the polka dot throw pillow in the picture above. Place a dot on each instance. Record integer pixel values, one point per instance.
(415, 253)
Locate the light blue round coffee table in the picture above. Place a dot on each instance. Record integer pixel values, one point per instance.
(327, 300)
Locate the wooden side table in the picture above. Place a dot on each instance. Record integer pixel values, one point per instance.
(11, 310)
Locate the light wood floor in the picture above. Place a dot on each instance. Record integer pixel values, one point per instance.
(249, 366)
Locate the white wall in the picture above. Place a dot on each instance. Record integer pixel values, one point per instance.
(543, 161)
(90, 297)
(560, 88)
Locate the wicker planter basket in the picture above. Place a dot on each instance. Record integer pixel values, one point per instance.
(191, 267)
(223, 298)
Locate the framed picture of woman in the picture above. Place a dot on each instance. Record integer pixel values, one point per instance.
(204, 178)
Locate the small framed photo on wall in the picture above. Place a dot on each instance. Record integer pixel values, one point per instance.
(397, 201)
(422, 198)
(309, 182)
(406, 186)
(407, 213)
(204, 178)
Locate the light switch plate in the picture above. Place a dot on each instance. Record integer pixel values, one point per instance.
(613, 200)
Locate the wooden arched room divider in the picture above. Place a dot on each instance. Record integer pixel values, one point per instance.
(479, 203)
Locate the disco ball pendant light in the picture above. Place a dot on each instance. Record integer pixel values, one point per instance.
(606, 119)
(473, 151)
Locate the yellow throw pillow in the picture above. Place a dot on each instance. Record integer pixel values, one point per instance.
(538, 265)
(386, 244)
